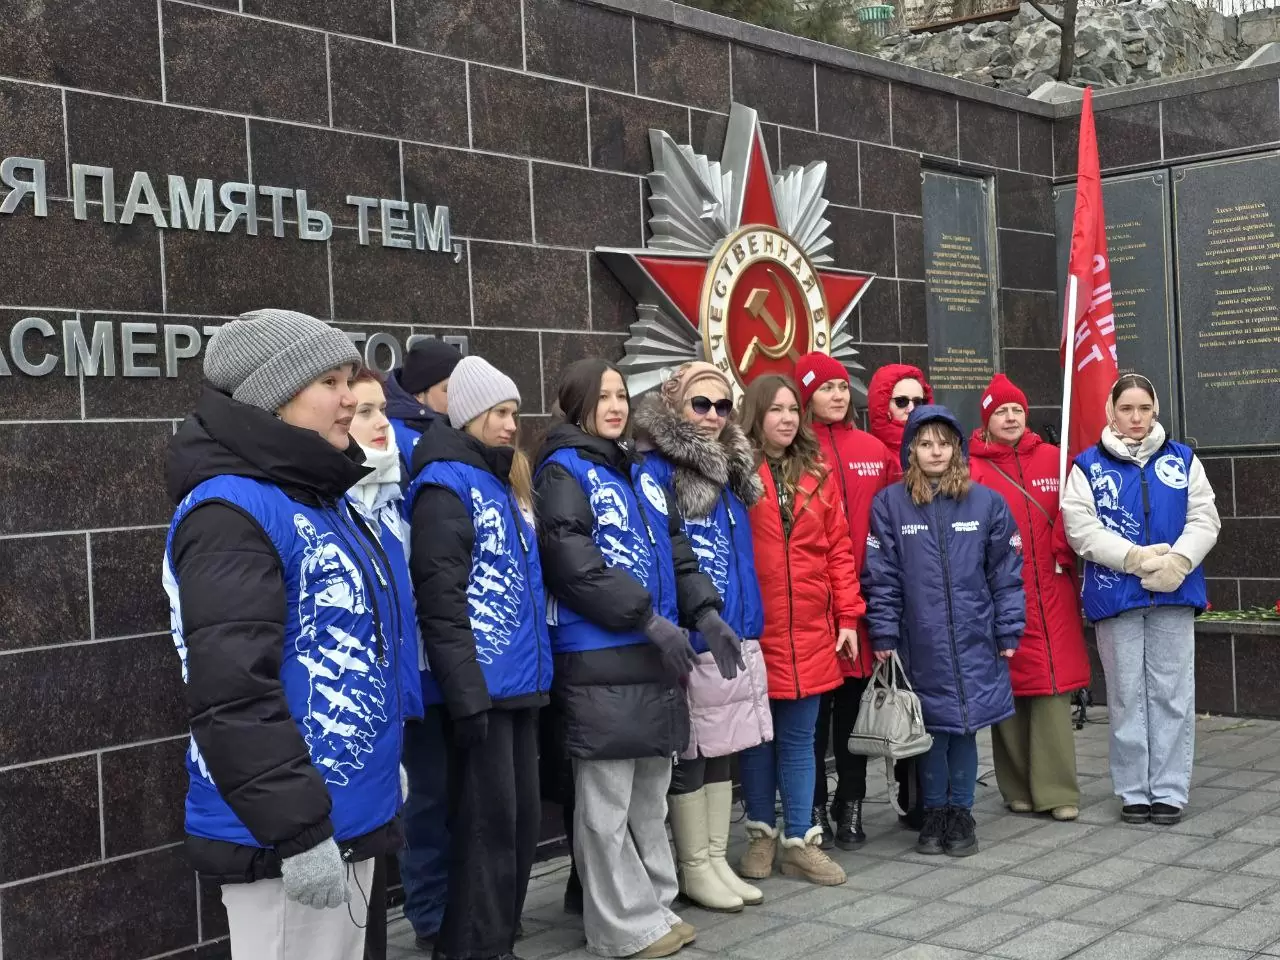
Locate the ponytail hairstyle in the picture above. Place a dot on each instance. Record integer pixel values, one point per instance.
(954, 482)
(804, 455)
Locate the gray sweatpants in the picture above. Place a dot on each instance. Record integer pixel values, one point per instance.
(267, 925)
(620, 844)
(1148, 656)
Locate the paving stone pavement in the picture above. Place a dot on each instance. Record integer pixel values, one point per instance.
(1096, 889)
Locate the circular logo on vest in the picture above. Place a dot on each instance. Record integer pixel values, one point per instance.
(653, 493)
(1172, 471)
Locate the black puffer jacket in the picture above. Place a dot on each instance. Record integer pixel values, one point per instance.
(225, 561)
(615, 702)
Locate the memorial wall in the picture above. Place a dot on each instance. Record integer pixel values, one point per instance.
(298, 154)
(1198, 155)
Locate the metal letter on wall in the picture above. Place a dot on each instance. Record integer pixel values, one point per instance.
(1138, 243)
(960, 290)
(1228, 253)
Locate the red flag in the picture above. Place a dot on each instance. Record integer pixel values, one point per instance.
(1092, 355)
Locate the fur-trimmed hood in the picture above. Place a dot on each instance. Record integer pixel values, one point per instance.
(703, 467)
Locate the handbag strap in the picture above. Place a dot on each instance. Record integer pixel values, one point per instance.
(1036, 503)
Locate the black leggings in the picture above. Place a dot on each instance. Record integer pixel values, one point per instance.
(690, 776)
(839, 709)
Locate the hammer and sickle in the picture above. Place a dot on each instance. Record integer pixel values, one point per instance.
(785, 346)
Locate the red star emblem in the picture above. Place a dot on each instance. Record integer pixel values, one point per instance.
(737, 256)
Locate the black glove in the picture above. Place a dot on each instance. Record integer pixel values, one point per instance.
(471, 731)
(724, 644)
(678, 656)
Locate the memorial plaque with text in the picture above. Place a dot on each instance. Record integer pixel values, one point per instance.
(959, 291)
(1137, 210)
(1228, 303)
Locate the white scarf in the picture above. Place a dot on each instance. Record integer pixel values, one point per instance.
(383, 485)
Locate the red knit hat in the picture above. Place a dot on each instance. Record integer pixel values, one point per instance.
(1000, 390)
(815, 369)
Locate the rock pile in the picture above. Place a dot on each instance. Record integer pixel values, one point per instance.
(1114, 45)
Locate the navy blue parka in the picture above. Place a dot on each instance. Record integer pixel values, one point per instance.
(943, 584)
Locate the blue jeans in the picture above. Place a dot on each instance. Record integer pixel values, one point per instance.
(424, 860)
(949, 771)
(786, 763)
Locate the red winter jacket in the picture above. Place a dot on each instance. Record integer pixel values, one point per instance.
(880, 392)
(1051, 656)
(809, 583)
(861, 467)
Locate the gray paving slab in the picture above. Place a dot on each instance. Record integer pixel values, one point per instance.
(1095, 889)
(1180, 921)
(984, 933)
(1049, 941)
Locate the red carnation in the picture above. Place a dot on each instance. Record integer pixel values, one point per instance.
(1208, 607)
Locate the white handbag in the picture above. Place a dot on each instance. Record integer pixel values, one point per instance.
(890, 722)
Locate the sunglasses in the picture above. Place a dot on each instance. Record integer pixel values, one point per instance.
(702, 406)
(903, 402)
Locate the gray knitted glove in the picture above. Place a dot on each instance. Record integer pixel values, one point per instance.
(316, 877)
(678, 657)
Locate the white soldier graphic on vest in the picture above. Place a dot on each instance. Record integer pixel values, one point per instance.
(493, 600)
(616, 537)
(712, 549)
(1107, 485)
(346, 700)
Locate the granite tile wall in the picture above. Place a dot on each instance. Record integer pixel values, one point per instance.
(529, 118)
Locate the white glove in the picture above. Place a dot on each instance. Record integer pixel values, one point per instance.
(1135, 558)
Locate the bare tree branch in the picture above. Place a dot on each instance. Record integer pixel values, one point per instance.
(1040, 8)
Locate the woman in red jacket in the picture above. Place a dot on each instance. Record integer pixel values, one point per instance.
(1034, 750)
(895, 390)
(809, 585)
(862, 466)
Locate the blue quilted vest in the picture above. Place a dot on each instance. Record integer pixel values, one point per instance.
(726, 554)
(347, 639)
(630, 529)
(506, 600)
(1144, 505)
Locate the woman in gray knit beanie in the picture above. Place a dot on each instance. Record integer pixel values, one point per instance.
(482, 614)
(299, 657)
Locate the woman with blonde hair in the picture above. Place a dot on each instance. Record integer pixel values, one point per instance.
(477, 577)
(944, 587)
(811, 611)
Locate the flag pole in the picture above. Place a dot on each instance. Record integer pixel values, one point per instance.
(1068, 369)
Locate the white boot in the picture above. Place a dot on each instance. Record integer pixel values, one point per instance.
(719, 811)
(698, 881)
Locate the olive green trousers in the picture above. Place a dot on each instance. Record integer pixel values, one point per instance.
(1035, 753)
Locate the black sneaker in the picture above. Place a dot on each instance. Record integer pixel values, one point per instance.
(961, 839)
(933, 831)
(1165, 814)
(573, 893)
(1135, 813)
(848, 817)
(425, 944)
(820, 819)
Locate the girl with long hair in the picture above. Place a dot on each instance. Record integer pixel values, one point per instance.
(625, 589)
(811, 611)
(477, 577)
(944, 589)
(1139, 509)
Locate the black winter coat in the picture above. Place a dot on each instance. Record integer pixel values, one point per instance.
(616, 703)
(239, 714)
